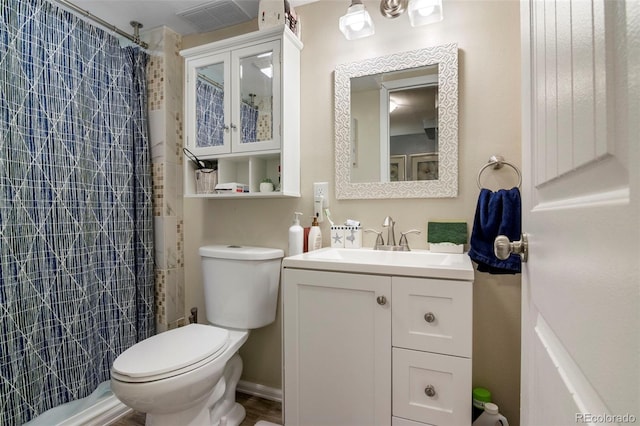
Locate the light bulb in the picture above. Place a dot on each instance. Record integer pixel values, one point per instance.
(423, 12)
(356, 25)
(426, 11)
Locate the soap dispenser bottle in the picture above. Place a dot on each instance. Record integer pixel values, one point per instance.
(296, 236)
(315, 235)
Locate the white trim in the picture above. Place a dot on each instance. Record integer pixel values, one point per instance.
(259, 390)
(105, 412)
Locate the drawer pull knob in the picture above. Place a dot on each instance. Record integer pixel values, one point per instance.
(429, 317)
(430, 391)
(381, 300)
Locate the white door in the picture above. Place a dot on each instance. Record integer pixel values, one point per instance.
(581, 166)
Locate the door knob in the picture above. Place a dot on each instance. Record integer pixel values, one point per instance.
(503, 248)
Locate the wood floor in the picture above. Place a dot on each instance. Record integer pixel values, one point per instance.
(256, 408)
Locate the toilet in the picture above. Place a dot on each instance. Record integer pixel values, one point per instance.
(188, 376)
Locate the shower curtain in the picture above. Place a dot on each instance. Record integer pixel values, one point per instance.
(76, 269)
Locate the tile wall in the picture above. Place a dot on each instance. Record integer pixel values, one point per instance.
(165, 79)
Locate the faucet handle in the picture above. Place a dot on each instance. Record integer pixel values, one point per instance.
(379, 240)
(403, 239)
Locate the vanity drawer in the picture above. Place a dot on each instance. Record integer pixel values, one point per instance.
(432, 315)
(431, 388)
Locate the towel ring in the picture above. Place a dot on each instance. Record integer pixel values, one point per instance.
(497, 161)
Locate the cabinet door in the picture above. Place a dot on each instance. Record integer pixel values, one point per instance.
(256, 91)
(337, 348)
(209, 105)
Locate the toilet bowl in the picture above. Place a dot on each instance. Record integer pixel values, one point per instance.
(188, 376)
(172, 376)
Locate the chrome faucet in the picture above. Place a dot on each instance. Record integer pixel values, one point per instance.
(391, 235)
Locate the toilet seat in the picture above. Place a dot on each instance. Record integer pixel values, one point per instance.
(170, 353)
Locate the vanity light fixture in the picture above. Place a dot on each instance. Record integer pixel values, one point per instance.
(356, 23)
(421, 12)
(393, 8)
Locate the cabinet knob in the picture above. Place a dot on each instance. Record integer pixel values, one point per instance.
(234, 127)
(430, 391)
(226, 128)
(381, 300)
(429, 317)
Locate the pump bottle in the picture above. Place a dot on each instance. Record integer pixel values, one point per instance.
(315, 235)
(296, 236)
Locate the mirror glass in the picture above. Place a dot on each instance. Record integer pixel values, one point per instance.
(210, 119)
(256, 94)
(399, 111)
(396, 125)
(252, 111)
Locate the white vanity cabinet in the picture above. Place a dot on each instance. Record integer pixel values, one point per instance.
(364, 349)
(242, 103)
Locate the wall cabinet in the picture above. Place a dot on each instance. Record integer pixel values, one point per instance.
(375, 349)
(242, 103)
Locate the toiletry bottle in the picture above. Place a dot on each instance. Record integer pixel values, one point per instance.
(315, 236)
(480, 396)
(491, 416)
(295, 236)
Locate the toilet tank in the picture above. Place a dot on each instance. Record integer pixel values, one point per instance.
(241, 285)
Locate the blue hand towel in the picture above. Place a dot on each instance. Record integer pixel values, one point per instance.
(497, 213)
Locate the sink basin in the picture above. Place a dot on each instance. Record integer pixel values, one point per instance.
(419, 263)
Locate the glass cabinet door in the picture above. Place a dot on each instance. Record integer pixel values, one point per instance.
(256, 90)
(212, 112)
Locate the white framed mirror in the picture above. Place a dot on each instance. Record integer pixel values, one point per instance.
(396, 125)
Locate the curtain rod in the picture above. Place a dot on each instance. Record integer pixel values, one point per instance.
(136, 25)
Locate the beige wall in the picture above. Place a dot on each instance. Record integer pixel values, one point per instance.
(488, 38)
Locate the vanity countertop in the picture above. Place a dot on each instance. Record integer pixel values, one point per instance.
(415, 263)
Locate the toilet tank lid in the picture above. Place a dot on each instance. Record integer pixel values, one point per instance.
(238, 252)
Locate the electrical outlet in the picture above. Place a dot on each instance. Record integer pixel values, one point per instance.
(321, 189)
(320, 199)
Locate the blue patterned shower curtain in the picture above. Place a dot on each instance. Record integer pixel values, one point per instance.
(76, 244)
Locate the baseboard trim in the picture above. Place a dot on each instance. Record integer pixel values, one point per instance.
(259, 390)
(106, 412)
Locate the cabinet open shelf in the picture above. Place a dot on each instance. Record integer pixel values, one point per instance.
(246, 169)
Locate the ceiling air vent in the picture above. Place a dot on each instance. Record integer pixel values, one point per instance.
(218, 14)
